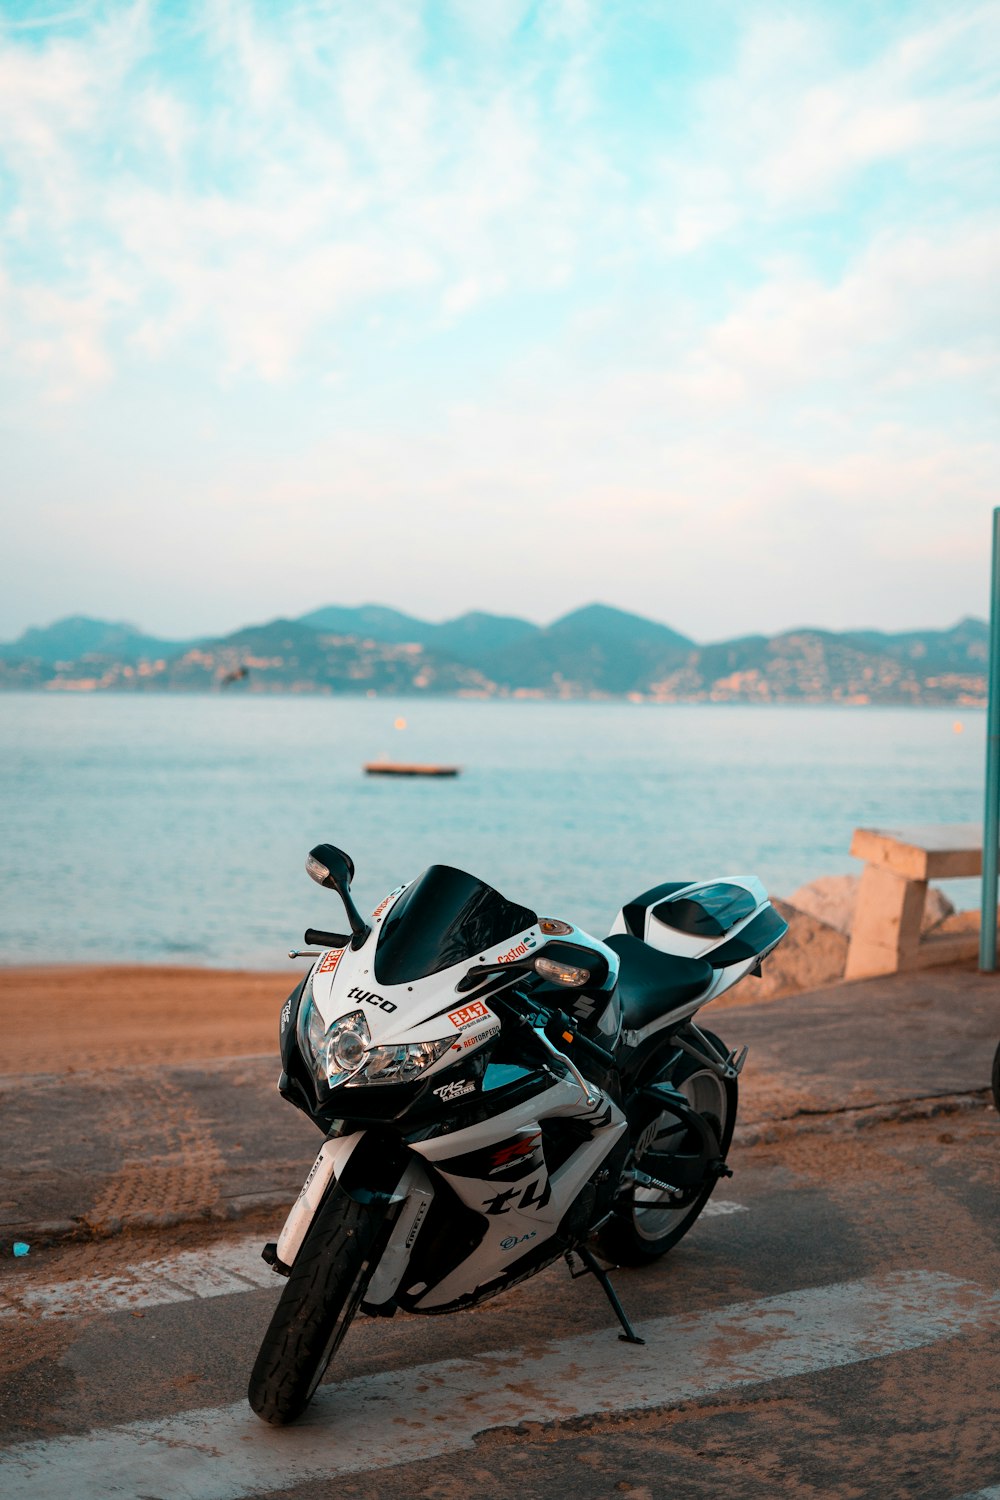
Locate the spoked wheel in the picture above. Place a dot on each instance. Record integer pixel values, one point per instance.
(320, 1297)
(647, 1225)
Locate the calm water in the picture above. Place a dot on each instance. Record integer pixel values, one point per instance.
(175, 828)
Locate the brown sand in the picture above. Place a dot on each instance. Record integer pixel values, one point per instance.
(74, 1018)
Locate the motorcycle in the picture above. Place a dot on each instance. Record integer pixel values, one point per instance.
(497, 1090)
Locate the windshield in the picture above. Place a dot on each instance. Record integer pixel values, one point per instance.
(445, 916)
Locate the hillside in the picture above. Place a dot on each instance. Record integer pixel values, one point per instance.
(593, 652)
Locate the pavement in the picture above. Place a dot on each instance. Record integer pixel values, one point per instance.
(92, 1155)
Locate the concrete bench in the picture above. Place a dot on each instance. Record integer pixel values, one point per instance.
(885, 937)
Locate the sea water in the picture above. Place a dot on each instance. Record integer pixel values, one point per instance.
(173, 828)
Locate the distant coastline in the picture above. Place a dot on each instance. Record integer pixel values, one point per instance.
(595, 653)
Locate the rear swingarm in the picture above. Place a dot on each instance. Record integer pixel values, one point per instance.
(686, 1172)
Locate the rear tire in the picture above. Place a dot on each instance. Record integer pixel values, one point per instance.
(319, 1300)
(641, 1231)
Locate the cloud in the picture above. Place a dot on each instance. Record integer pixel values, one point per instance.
(540, 269)
(932, 294)
(793, 127)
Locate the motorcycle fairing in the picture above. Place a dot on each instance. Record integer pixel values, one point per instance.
(728, 922)
(520, 1201)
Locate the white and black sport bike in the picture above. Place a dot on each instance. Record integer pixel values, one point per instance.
(497, 1090)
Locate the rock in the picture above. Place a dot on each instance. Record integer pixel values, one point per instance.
(810, 955)
(829, 900)
(832, 898)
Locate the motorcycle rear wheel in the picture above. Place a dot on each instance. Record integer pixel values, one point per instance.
(318, 1302)
(641, 1231)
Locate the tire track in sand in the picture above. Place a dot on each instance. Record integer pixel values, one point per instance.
(170, 1165)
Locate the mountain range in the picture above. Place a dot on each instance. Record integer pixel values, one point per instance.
(593, 652)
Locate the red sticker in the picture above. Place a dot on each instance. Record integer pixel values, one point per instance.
(386, 901)
(330, 960)
(477, 1011)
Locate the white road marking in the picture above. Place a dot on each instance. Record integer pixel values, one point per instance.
(403, 1416)
(215, 1271)
(993, 1493)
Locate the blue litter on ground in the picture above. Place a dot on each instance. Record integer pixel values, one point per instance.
(20, 1248)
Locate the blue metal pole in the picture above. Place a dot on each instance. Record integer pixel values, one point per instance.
(991, 817)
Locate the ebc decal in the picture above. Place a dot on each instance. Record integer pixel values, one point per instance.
(370, 998)
(330, 960)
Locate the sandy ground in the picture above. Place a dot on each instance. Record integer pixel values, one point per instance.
(73, 1018)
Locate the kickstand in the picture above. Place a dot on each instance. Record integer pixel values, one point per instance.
(591, 1266)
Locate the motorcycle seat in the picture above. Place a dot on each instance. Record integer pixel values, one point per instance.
(650, 983)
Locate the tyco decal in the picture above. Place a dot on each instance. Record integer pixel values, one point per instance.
(371, 998)
(477, 1011)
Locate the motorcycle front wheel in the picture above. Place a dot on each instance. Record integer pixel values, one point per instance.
(643, 1228)
(319, 1300)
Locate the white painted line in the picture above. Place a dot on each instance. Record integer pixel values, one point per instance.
(403, 1416)
(215, 1271)
(993, 1493)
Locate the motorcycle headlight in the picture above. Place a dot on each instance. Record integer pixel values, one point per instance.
(334, 1052)
(400, 1064)
(343, 1052)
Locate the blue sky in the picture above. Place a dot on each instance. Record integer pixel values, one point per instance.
(501, 305)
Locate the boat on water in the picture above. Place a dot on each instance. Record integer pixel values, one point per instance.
(401, 768)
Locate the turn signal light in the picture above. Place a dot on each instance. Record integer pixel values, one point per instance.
(561, 973)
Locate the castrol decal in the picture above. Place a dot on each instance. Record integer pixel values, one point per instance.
(330, 960)
(477, 1011)
(518, 951)
(386, 901)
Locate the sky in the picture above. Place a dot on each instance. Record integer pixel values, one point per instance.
(513, 305)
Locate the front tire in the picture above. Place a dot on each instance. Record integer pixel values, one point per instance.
(642, 1229)
(319, 1300)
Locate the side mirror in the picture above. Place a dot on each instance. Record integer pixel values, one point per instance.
(330, 866)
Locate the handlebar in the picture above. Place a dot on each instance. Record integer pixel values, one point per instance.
(325, 939)
(561, 1029)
